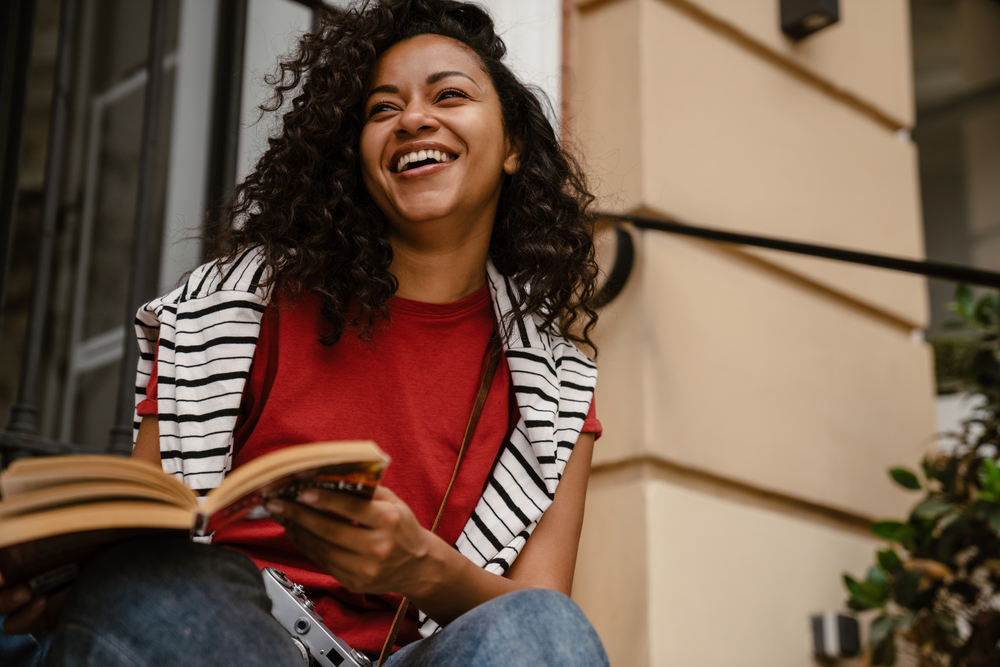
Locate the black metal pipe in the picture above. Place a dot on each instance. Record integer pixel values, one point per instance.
(8, 45)
(943, 271)
(20, 22)
(226, 106)
(24, 414)
(121, 434)
(620, 269)
(24, 445)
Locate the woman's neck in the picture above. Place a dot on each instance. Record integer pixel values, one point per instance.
(439, 275)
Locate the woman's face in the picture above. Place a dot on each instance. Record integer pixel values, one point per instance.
(433, 148)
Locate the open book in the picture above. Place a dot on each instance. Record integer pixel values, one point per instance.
(55, 510)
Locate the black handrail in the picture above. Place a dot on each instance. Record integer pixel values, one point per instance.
(939, 270)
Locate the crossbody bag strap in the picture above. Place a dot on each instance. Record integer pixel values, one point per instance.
(492, 359)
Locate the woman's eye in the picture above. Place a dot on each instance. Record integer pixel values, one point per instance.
(379, 108)
(451, 93)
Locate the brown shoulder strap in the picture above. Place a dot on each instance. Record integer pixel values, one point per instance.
(492, 359)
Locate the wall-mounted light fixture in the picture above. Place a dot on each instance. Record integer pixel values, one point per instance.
(801, 18)
(835, 635)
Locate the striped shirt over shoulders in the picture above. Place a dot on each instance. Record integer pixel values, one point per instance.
(207, 331)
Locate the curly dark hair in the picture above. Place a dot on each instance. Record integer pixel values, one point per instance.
(307, 209)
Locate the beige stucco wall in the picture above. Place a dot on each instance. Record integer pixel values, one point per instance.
(752, 401)
(707, 580)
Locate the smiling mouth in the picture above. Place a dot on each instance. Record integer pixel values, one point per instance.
(418, 159)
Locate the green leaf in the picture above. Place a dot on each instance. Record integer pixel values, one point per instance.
(858, 600)
(876, 577)
(931, 509)
(904, 590)
(989, 477)
(964, 303)
(864, 595)
(905, 478)
(889, 560)
(988, 497)
(994, 519)
(882, 627)
(875, 587)
(985, 311)
(854, 605)
(894, 531)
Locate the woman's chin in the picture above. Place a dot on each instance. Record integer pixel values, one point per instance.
(423, 215)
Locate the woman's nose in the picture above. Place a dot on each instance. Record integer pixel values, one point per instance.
(417, 116)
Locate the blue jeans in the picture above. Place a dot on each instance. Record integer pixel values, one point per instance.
(530, 627)
(167, 601)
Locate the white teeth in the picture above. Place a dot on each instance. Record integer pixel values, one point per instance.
(418, 156)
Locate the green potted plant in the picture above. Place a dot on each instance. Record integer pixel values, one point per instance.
(936, 586)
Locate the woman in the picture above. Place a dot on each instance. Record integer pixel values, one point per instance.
(415, 202)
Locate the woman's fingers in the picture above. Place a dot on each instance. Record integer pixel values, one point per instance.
(370, 546)
(364, 511)
(383, 510)
(358, 573)
(26, 613)
(13, 598)
(327, 528)
(27, 618)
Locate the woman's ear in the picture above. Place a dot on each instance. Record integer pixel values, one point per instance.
(511, 162)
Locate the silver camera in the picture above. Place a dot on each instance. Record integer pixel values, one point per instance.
(297, 614)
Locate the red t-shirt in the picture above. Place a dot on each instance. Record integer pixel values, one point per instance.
(411, 390)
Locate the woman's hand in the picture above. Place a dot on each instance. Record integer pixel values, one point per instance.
(22, 611)
(384, 550)
(26, 613)
(388, 550)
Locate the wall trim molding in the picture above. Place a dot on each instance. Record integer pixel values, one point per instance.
(657, 468)
(789, 66)
(763, 260)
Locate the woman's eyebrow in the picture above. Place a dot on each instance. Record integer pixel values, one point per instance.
(431, 80)
(384, 88)
(438, 76)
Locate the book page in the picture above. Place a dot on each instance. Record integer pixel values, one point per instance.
(89, 492)
(351, 467)
(28, 475)
(93, 516)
